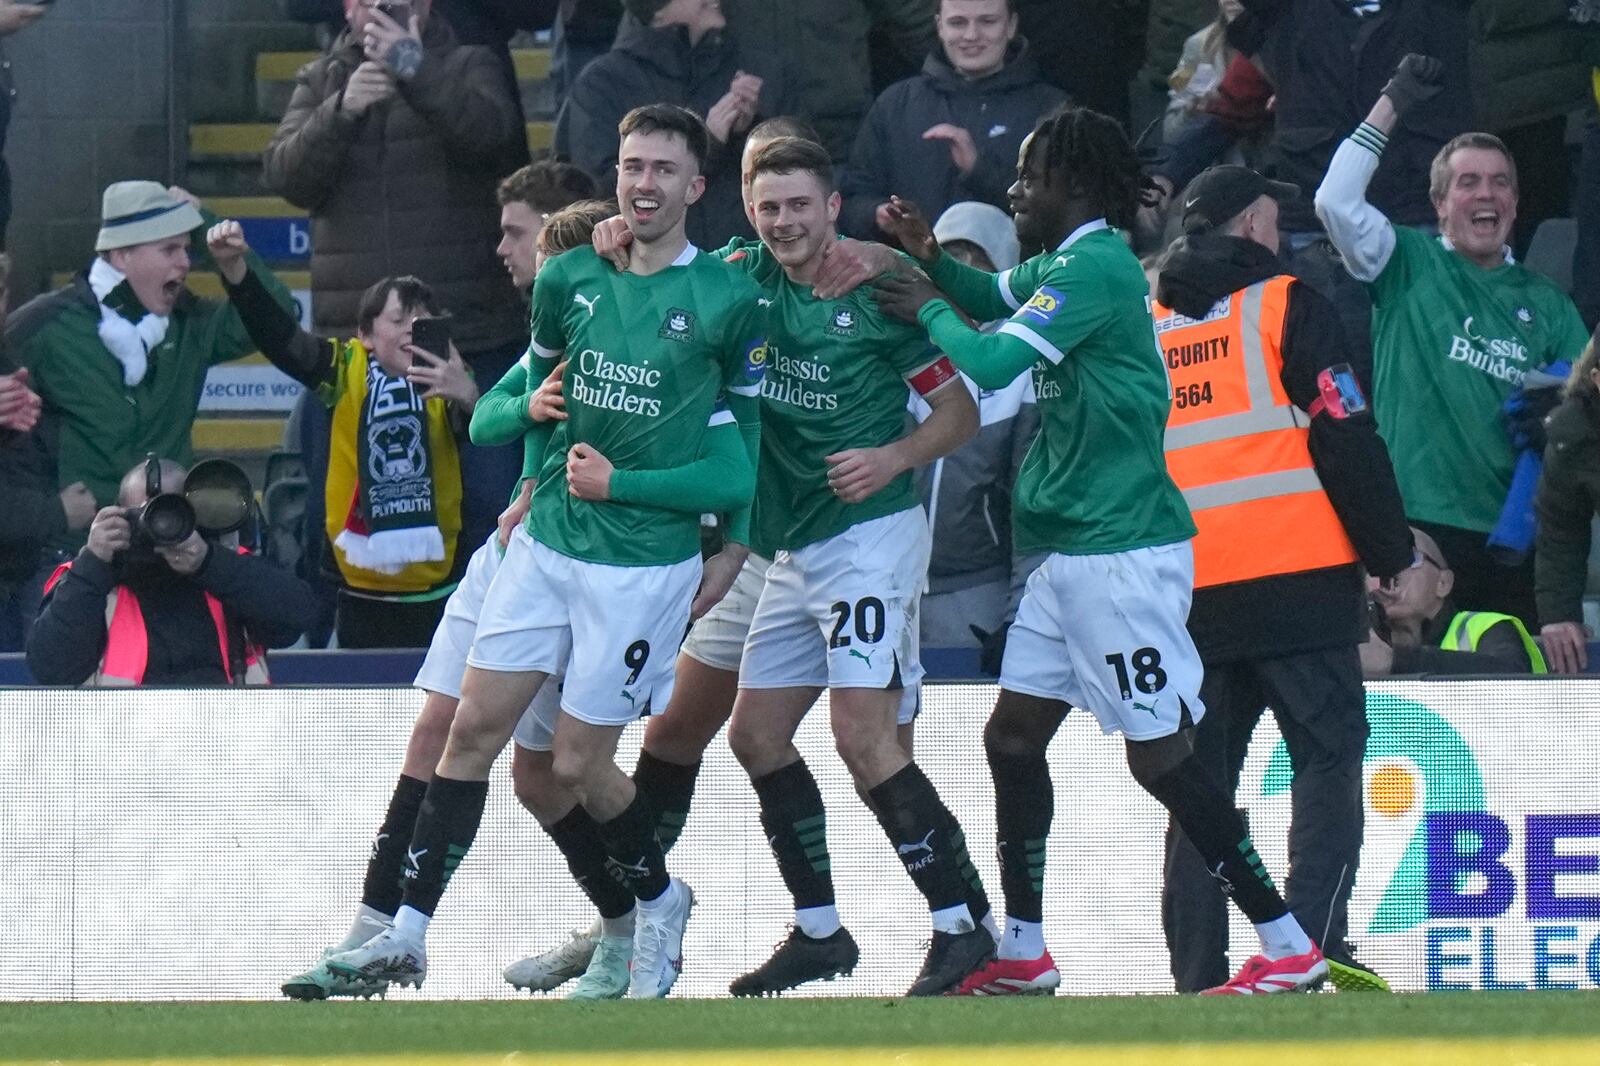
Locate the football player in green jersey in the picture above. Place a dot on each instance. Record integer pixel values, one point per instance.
(838, 513)
(598, 573)
(1102, 621)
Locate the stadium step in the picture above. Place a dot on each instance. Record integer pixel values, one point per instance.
(231, 142)
(275, 74)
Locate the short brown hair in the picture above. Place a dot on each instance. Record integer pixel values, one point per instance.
(770, 129)
(789, 154)
(546, 186)
(669, 118)
(414, 293)
(1439, 172)
(573, 225)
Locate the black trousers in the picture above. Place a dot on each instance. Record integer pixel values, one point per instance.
(1320, 707)
(365, 623)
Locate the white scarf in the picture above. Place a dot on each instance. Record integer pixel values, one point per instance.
(129, 342)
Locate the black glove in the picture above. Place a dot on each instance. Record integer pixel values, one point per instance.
(1417, 79)
(991, 648)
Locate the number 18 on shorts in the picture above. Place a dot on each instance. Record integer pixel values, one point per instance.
(1109, 633)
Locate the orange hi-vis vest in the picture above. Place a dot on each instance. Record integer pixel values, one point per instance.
(128, 642)
(1239, 449)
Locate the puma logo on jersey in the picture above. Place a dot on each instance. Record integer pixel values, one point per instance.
(588, 302)
(864, 657)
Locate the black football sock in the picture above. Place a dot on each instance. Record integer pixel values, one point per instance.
(382, 889)
(446, 825)
(1218, 832)
(796, 826)
(1024, 804)
(670, 788)
(633, 855)
(919, 826)
(578, 837)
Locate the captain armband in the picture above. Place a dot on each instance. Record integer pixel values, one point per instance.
(933, 377)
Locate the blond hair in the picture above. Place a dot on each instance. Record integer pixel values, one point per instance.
(1581, 380)
(573, 225)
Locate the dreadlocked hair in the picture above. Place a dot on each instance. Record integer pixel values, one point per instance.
(1092, 155)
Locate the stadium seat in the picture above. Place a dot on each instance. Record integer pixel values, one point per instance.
(1550, 251)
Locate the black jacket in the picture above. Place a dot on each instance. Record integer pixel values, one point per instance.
(1089, 48)
(890, 155)
(68, 640)
(1329, 66)
(1568, 500)
(32, 515)
(648, 66)
(1314, 609)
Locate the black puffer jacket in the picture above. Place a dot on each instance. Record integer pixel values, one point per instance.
(650, 66)
(408, 188)
(891, 156)
(32, 516)
(1314, 609)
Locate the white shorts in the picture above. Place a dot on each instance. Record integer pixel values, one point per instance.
(615, 629)
(842, 613)
(717, 639)
(446, 660)
(1108, 633)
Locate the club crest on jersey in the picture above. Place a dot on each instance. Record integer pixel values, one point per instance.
(844, 322)
(678, 325)
(755, 359)
(1045, 305)
(1525, 316)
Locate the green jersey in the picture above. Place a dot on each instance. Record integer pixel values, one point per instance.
(1095, 481)
(837, 378)
(1450, 342)
(647, 358)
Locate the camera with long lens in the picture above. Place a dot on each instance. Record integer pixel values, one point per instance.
(165, 518)
(217, 499)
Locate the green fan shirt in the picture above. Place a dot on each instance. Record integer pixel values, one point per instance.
(1450, 342)
(647, 359)
(838, 377)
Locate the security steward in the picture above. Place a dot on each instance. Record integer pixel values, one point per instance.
(137, 607)
(1271, 439)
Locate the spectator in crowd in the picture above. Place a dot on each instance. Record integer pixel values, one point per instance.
(393, 501)
(583, 32)
(1323, 58)
(675, 52)
(120, 354)
(1416, 627)
(394, 141)
(1456, 325)
(14, 15)
(131, 611)
(35, 512)
(1089, 49)
(1260, 381)
(974, 580)
(952, 132)
(1168, 26)
(1205, 59)
(1586, 257)
(1568, 500)
(1528, 74)
(823, 48)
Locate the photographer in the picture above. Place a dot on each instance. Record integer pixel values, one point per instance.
(131, 611)
(1416, 628)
